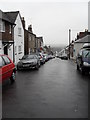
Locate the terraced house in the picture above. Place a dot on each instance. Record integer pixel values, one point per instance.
(15, 40)
(6, 35)
(29, 41)
(18, 34)
(32, 43)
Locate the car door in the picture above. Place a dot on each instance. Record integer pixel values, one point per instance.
(79, 58)
(1, 69)
(6, 69)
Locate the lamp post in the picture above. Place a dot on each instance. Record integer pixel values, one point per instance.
(69, 41)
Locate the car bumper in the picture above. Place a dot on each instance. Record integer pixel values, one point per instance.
(26, 66)
(86, 68)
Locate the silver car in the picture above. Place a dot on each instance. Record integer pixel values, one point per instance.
(28, 62)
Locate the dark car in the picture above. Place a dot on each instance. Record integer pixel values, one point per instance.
(28, 61)
(7, 69)
(64, 57)
(83, 60)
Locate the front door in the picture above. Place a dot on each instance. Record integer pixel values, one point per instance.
(6, 50)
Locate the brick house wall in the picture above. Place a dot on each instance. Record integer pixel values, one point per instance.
(7, 36)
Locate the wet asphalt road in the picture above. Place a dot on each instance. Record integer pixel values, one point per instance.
(56, 90)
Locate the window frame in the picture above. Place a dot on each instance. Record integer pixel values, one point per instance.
(19, 49)
(10, 29)
(19, 31)
(2, 26)
(6, 63)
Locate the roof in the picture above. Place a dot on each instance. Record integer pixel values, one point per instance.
(5, 17)
(40, 38)
(12, 15)
(85, 39)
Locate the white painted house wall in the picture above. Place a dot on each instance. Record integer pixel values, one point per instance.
(77, 47)
(79, 44)
(1, 47)
(18, 39)
(10, 52)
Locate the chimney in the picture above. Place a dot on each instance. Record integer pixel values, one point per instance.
(77, 36)
(86, 31)
(30, 28)
(23, 22)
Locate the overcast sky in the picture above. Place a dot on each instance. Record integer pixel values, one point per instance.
(52, 19)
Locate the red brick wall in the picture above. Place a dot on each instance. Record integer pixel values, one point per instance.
(6, 36)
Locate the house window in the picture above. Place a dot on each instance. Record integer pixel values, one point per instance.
(10, 28)
(19, 49)
(30, 38)
(19, 31)
(2, 26)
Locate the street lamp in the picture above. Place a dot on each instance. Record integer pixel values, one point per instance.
(69, 41)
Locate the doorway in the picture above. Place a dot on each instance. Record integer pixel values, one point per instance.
(6, 50)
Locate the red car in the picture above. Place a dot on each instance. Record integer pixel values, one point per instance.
(7, 69)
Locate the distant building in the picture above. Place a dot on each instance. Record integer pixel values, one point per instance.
(32, 43)
(63, 52)
(82, 34)
(39, 44)
(48, 50)
(79, 44)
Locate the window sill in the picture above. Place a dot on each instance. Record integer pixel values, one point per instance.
(20, 35)
(2, 31)
(20, 53)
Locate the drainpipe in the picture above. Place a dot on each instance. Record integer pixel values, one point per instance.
(13, 44)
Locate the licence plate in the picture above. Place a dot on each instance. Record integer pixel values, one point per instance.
(26, 65)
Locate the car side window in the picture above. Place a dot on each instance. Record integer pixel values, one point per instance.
(2, 63)
(6, 59)
(80, 53)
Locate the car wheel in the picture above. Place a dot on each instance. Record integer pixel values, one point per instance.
(18, 68)
(37, 66)
(82, 71)
(77, 67)
(13, 77)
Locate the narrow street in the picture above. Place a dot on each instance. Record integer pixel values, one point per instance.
(56, 90)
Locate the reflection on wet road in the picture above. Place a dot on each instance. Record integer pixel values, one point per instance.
(56, 90)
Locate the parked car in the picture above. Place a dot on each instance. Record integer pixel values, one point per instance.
(7, 69)
(83, 60)
(64, 57)
(29, 61)
(42, 59)
(46, 57)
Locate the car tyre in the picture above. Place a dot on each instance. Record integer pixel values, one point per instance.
(18, 68)
(82, 71)
(37, 66)
(77, 67)
(13, 77)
